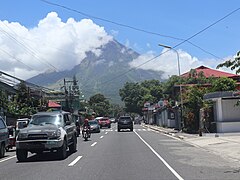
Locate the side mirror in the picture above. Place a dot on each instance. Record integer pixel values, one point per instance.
(68, 122)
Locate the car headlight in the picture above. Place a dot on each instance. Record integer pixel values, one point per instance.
(54, 134)
(22, 136)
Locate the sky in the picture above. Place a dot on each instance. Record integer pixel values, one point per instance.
(37, 36)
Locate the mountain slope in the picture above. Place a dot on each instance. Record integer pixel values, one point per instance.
(104, 74)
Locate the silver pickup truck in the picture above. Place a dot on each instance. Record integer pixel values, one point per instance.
(47, 131)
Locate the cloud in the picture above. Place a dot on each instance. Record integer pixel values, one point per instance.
(52, 44)
(168, 62)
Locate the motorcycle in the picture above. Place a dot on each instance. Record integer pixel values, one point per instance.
(85, 133)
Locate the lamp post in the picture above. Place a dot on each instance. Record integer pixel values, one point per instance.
(180, 86)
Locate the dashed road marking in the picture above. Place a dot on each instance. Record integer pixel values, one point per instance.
(106, 132)
(101, 137)
(93, 144)
(75, 161)
(8, 158)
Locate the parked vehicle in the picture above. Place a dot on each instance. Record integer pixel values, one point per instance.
(104, 122)
(3, 137)
(125, 122)
(94, 126)
(112, 120)
(11, 137)
(21, 123)
(47, 131)
(98, 118)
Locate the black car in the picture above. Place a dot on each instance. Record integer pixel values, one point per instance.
(3, 137)
(47, 131)
(125, 122)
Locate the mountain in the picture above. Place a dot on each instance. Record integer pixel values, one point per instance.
(104, 74)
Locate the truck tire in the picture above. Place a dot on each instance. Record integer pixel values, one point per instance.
(2, 150)
(62, 151)
(21, 155)
(73, 146)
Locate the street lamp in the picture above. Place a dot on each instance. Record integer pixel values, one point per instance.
(180, 86)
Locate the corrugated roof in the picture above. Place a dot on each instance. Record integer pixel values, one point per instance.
(208, 72)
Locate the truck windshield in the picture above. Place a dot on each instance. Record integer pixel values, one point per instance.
(47, 119)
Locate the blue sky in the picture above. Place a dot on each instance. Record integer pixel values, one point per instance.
(180, 19)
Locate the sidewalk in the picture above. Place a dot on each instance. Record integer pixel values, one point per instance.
(226, 145)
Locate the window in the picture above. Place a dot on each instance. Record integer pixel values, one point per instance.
(2, 124)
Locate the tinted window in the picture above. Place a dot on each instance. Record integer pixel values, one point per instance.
(126, 118)
(92, 122)
(2, 124)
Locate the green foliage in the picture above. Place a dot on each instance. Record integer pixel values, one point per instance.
(135, 95)
(100, 105)
(3, 100)
(233, 64)
(22, 103)
(223, 84)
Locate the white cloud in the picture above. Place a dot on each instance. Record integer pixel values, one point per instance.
(53, 43)
(168, 63)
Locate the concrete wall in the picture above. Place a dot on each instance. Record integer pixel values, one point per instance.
(230, 112)
(227, 115)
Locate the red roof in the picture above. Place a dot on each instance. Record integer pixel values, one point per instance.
(211, 72)
(53, 104)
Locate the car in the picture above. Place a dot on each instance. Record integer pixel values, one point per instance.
(94, 126)
(104, 122)
(21, 123)
(3, 137)
(97, 119)
(47, 131)
(125, 122)
(112, 120)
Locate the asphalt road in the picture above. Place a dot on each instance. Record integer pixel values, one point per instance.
(110, 155)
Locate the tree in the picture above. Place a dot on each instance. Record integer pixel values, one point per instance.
(100, 105)
(223, 84)
(233, 64)
(22, 104)
(132, 94)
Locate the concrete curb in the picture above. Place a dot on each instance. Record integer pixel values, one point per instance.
(163, 131)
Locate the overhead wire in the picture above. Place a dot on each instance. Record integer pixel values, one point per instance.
(128, 26)
(28, 49)
(145, 31)
(191, 37)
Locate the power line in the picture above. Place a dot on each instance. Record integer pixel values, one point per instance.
(128, 26)
(186, 40)
(109, 21)
(29, 50)
(16, 59)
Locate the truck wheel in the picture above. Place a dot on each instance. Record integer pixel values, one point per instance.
(62, 151)
(73, 146)
(21, 155)
(2, 150)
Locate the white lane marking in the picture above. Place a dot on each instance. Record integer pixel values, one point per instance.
(101, 137)
(94, 144)
(75, 161)
(144, 129)
(8, 158)
(115, 130)
(164, 162)
(106, 132)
